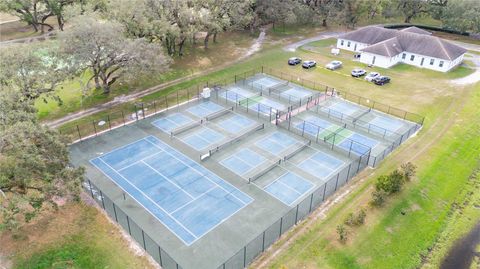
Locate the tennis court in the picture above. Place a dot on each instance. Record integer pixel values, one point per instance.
(267, 82)
(263, 105)
(244, 161)
(296, 92)
(321, 165)
(277, 143)
(235, 124)
(205, 109)
(340, 108)
(316, 126)
(289, 187)
(388, 123)
(236, 94)
(202, 138)
(172, 121)
(183, 195)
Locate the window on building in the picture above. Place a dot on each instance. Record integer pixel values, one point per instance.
(341, 42)
(404, 56)
(440, 64)
(412, 57)
(432, 61)
(348, 44)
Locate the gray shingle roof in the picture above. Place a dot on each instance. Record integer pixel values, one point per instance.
(388, 42)
(416, 30)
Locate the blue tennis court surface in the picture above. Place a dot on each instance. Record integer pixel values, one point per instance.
(390, 124)
(236, 94)
(183, 195)
(288, 188)
(313, 125)
(171, 122)
(363, 145)
(321, 165)
(243, 161)
(266, 82)
(204, 109)
(236, 124)
(276, 143)
(296, 93)
(202, 138)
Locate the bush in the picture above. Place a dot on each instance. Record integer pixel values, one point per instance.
(360, 218)
(378, 198)
(355, 219)
(342, 233)
(408, 170)
(391, 183)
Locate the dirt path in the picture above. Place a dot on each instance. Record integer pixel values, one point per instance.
(420, 146)
(324, 35)
(255, 47)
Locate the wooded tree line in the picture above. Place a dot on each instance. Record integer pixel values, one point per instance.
(173, 22)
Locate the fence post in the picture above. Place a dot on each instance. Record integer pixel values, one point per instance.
(263, 242)
(143, 238)
(79, 135)
(136, 112)
(115, 212)
(128, 224)
(336, 183)
(244, 256)
(109, 124)
(123, 118)
(143, 111)
(94, 127)
(160, 255)
(103, 202)
(296, 215)
(90, 185)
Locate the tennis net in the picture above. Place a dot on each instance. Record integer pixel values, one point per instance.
(236, 138)
(297, 150)
(218, 114)
(275, 88)
(263, 171)
(187, 127)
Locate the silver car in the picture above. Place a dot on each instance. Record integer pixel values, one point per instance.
(334, 65)
(371, 76)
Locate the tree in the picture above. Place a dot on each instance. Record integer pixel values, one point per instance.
(34, 166)
(461, 15)
(412, 8)
(391, 183)
(351, 10)
(342, 233)
(408, 170)
(323, 9)
(34, 69)
(378, 198)
(33, 12)
(102, 48)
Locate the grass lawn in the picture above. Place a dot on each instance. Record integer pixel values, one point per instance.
(77, 236)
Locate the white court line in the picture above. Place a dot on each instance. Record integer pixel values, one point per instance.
(300, 194)
(141, 204)
(332, 171)
(173, 212)
(175, 184)
(134, 163)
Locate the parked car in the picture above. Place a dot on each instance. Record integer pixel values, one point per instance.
(294, 61)
(371, 76)
(309, 64)
(381, 80)
(333, 65)
(357, 72)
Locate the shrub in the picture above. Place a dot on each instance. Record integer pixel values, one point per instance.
(378, 198)
(360, 218)
(342, 233)
(350, 219)
(409, 170)
(355, 219)
(390, 183)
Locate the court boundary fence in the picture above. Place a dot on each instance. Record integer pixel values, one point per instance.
(135, 112)
(245, 255)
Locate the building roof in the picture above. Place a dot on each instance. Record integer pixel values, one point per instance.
(388, 42)
(416, 30)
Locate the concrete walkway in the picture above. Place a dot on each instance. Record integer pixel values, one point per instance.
(324, 35)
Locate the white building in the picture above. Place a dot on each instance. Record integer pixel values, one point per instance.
(386, 47)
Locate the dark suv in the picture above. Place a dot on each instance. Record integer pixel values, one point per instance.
(381, 80)
(294, 61)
